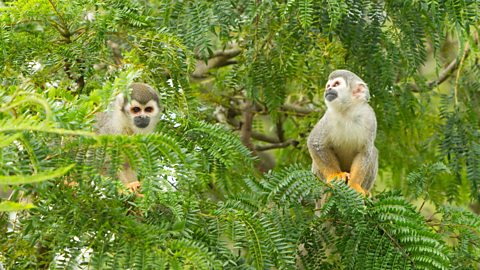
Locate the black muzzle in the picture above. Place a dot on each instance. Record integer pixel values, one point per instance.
(330, 94)
(141, 121)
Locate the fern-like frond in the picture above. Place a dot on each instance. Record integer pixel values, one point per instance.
(464, 227)
(219, 143)
(384, 233)
(291, 184)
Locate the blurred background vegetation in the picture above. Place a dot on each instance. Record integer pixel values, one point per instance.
(226, 179)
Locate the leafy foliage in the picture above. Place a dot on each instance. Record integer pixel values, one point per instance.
(382, 234)
(208, 197)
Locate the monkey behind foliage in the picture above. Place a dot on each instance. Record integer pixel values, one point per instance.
(137, 115)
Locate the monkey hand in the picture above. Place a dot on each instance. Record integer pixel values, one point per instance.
(70, 183)
(338, 176)
(133, 186)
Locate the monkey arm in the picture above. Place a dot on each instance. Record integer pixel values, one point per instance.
(325, 164)
(364, 170)
(364, 166)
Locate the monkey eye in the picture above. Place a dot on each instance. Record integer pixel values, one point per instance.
(336, 83)
(149, 109)
(135, 109)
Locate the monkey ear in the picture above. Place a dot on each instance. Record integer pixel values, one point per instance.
(360, 91)
(119, 101)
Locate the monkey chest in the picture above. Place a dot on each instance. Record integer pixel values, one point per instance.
(348, 138)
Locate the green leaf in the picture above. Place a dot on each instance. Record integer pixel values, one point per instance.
(8, 206)
(39, 177)
(6, 140)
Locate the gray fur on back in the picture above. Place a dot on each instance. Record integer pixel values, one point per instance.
(102, 124)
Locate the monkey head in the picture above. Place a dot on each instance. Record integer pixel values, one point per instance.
(142, 111)
(344, 89)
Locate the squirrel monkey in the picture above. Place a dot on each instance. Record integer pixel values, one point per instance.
(137, 115)
(342, 143)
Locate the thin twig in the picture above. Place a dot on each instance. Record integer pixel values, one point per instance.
(421, 206)
(276, 145)
(297, 109)
(460, 65)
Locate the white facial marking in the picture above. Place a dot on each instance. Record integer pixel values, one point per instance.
(150, 110)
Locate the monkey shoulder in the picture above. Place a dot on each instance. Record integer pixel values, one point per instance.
(109, 123)
(318, 133)
(102, 125)
(319, 127)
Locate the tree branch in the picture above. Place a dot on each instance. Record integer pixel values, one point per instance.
(279, 129)
(297, 109)
(448, 71)
(246, 126)
(276, 145)
(263, 137)
(219, 59)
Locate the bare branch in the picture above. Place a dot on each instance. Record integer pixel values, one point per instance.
(246, 126)
(263, 137)
(448, 71)
(297, 109)
(219, 59)
(276, 145)
(279, 129)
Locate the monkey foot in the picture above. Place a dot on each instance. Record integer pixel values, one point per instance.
(357, 188)
(338, 176)
(347, 178)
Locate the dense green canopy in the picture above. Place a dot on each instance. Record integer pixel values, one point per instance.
(225, 179)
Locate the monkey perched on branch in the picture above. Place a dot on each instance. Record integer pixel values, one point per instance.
(342, 143)
(138, 114)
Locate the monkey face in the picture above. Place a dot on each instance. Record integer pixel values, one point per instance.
(138, 114)
(143, 116)
(335, 88)
(344, 89)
